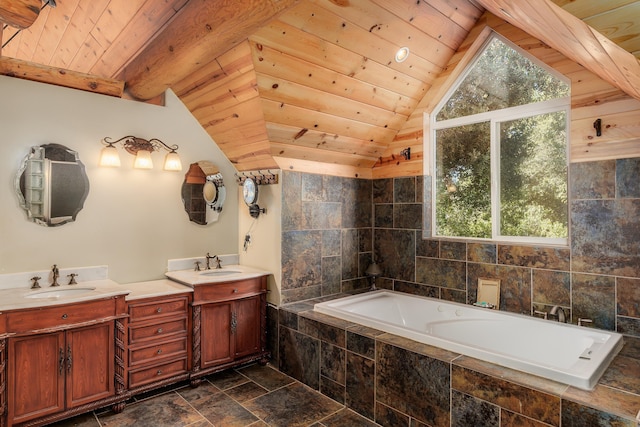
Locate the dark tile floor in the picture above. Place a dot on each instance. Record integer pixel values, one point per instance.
(255, 396)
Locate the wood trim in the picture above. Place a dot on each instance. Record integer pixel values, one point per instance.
(60, 77)
(310, 166)
(572, 37)
(200, 31)
(19, 13)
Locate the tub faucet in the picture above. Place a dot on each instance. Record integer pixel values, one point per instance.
(559, 313)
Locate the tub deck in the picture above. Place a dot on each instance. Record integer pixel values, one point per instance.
(569, 354)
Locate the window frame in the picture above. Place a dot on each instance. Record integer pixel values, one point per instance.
(495, 118)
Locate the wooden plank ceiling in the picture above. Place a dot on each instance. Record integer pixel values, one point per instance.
(282, 83)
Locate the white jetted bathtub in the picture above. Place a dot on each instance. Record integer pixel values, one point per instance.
(565, 353)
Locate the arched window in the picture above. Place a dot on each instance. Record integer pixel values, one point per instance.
(498, 142)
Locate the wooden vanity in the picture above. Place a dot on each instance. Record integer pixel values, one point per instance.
(234, 313)
(62, 360)
(58, 361)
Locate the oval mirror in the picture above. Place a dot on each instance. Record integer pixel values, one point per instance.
(203, 192)
(52, 185)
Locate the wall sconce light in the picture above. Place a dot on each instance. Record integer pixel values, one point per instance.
(373, 271)
(142, 149)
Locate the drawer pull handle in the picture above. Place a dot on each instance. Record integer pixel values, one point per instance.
(64, 316)
(159, 330)
(159, 351)
(159, 310)
(235, 291)
(159, 372)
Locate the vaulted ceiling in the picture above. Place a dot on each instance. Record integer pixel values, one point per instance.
(279, 83)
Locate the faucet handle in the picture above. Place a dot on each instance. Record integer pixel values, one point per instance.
(35, 279)
(73, 276)
(544, 314)
(581, 321)
(197, 266)
(218, 265)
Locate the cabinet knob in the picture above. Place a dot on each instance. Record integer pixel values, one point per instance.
(159, 372)
(64, 316)
(159, 351)
(235, 291)
(159, 330)
(159, 310)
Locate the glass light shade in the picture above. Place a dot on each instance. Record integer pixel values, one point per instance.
(110, 157)
(172, 162)
(143, 160)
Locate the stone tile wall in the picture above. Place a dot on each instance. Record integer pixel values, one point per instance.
(329, 225)
(326, 235)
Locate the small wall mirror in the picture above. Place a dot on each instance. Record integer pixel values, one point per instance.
(52, 185)
(203, 192)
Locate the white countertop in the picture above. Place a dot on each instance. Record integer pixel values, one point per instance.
(18, 298)
(227, 273)
(154, 288)
(179, 281)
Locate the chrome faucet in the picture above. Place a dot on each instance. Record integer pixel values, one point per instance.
(559, 313)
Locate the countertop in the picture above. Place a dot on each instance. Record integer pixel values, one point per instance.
(225, 274)
(179, 281)
(20, 298)
(154, 288)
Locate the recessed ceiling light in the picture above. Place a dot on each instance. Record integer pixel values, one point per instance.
(402, 54)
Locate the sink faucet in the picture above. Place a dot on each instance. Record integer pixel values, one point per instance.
(559, 313)
(209, 258)
(55, 273)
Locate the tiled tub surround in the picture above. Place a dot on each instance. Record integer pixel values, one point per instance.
(399, 382)
(332, 227)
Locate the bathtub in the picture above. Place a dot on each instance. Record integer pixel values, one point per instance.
(565, 353)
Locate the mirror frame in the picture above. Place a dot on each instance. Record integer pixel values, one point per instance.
(197, 180)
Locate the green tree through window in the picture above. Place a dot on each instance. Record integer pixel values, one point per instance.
(500, 150)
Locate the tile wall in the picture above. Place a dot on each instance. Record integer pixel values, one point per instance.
(330, 225)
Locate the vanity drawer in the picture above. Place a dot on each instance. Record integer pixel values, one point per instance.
(157, 373)
(231, 290)
(159, 330)
(158, 308)
(166, 349)
(60, 315)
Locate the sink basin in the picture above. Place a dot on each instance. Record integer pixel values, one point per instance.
(61, 293)
(219, 272)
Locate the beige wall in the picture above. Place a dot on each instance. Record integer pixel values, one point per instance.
(266, 234)
(133, 220)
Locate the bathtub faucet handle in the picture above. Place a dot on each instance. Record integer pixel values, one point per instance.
(544, 314)
(581, 321)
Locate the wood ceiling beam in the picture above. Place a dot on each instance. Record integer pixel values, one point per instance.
(572, 37)
(19, 13)
(200, 32)
(60, 77)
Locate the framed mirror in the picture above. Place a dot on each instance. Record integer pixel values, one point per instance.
(52, 185)
(203, 192)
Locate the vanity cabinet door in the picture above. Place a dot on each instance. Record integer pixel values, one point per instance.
(247, 331)
(36, 376)
(90, 367)
(216, 334)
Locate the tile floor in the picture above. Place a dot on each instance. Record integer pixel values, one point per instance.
(255, 396)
